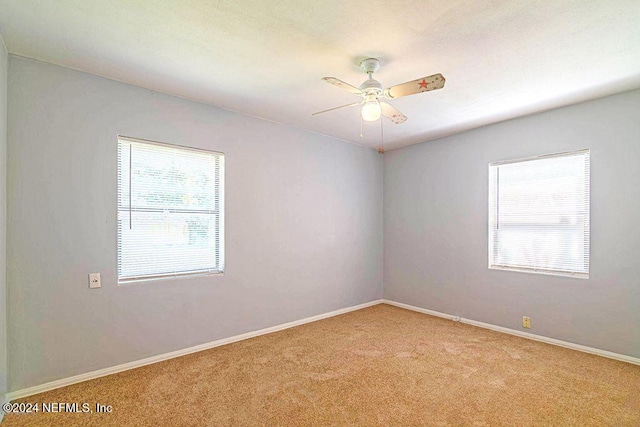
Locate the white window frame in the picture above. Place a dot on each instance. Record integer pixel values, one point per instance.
(493, 215)
(221, 231)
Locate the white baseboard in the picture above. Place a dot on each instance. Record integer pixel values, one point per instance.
(421, 310)
(560, 343)
(19, 394)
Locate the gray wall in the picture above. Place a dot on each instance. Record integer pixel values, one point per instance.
(3, 217)
(303, 225)
(435, 227)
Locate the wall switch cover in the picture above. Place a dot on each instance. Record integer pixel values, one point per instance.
(94, 280)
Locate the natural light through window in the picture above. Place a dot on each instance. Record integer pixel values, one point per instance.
(539, 214)
(170, 211)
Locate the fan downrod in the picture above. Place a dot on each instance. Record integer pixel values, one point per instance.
(371, 87)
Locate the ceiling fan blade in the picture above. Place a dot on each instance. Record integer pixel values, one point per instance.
(390, 112)
(335, 108)
(423, 84)
(342, 85)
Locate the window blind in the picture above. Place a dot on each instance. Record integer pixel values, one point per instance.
(170, 210)
(539, 214)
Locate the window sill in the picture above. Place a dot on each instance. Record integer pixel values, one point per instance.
(127, 282)
(560, 273)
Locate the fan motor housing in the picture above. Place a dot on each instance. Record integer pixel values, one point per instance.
(371, 86)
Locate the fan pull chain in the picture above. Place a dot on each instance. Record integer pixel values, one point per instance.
(381, 148)
(361, 136)
(130, 162)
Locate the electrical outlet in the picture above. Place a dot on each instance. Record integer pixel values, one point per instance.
(526, 322)
(94, 280)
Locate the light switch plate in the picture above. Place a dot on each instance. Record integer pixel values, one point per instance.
(94, 280)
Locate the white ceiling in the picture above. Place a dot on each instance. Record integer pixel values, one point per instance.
(501, 58)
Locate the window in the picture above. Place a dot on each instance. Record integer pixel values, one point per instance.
(539, 214)
(170, 211)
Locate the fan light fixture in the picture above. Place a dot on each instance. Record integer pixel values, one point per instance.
(370, 110)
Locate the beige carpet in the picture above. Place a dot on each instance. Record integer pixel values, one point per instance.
(377, 366)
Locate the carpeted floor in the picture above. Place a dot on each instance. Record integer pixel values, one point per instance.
(378, 366)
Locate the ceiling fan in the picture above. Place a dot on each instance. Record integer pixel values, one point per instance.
(371, 92)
